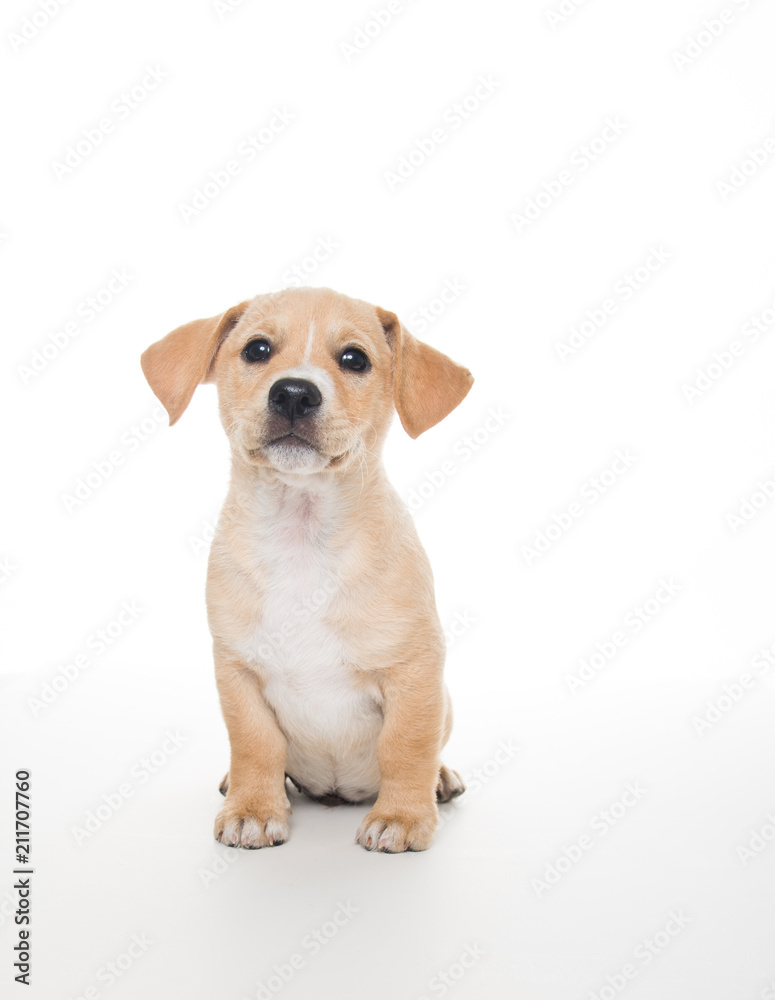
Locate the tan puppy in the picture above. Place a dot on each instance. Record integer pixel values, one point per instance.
(328, 649)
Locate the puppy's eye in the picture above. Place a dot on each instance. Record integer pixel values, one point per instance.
(354, 360)
(257, 350)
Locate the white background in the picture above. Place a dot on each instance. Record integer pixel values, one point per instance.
(679, 845)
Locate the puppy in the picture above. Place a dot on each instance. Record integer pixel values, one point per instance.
(328, 650)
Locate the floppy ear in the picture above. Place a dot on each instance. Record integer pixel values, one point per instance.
(175, 365)
(427, 385)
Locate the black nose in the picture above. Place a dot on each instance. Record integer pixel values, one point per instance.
(294, 397)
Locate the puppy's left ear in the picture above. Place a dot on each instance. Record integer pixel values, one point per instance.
(175, 365)
(427, 385)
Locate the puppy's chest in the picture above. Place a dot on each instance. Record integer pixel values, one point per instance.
(294, 637)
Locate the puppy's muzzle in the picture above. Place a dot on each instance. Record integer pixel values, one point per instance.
(293, 398)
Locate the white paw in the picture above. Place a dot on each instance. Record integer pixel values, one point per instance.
(393, 834)
(251, 829)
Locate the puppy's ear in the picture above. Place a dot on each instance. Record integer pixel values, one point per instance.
(427, 385)
(175, 365)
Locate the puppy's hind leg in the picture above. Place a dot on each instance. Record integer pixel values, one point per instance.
(450, 784)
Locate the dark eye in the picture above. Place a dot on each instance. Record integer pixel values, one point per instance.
(257, 350)
(354, 360)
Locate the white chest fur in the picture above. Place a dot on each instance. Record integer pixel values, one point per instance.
(331, 719)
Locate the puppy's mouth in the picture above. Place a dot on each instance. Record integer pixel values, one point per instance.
(289, 441)
(293, 445)
(293, 440)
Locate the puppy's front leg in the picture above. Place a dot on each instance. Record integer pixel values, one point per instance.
(405, 815)
(255, 813)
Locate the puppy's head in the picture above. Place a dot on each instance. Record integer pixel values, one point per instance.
(307, 379)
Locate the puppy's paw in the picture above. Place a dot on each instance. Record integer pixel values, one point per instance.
(450, 785)
(251, 828)
(392, 833)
